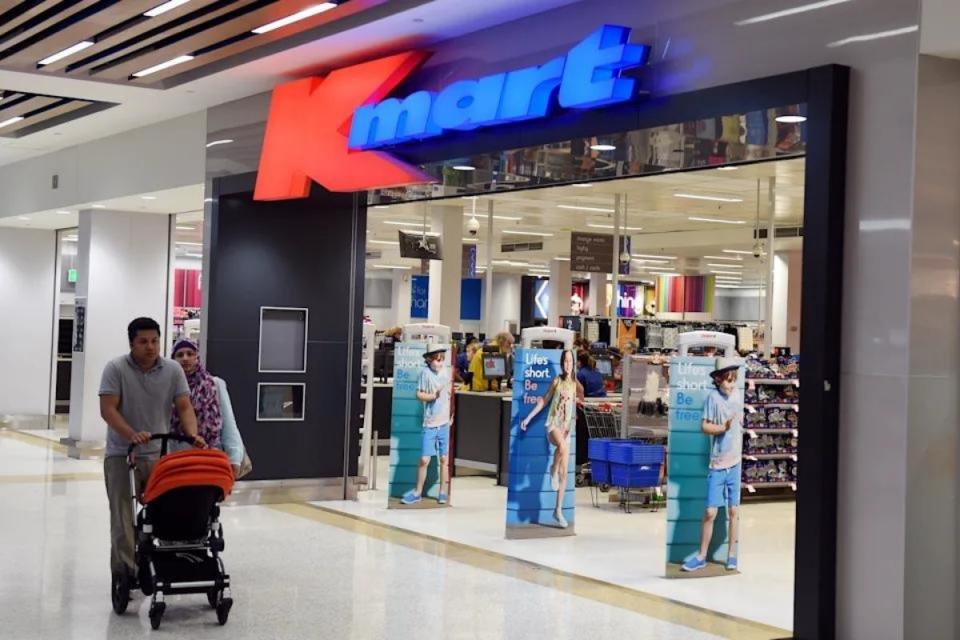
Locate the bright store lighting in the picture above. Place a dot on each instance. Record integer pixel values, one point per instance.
(10, 121)
(610, 226)
(70, 238)
(469, 240)
(191, 244)
(874, 36)
(603, 147)
(717, 220)
(510, 218)
(512, 263)
(790, 12)
(791, 119)
(527, 233)
(662, 274)
(69, 51)
(185, 228)
(98, 206)
(148, 197)
(208, 199)
(402, 223)
(722, 258)
(395, 243)
(727, 168)
(579, 208)
(738, 252)
(219, 142)
(464, 167)
(163, 65)
(725, 266)
(694, 196)
(193, 255)
(392, 266)
(562, 259)
(309, 12)
(650, 261)
(163, 8)
(644, 255)
(725, 273)
(582, 185)
(63, 213)
(419, 232)
(23, 217)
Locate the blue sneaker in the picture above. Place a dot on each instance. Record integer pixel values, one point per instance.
(410, 497)
(732, 563)
(693, 563)
(442, 498)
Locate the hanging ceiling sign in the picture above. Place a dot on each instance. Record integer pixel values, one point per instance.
(329, 129)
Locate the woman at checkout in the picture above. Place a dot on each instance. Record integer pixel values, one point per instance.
(504, 342)
(589, 377)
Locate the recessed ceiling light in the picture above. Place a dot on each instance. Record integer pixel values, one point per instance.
(388, 242)
(70, 238)
(650, 261)
(471, 197)
(98, 206)
(725, 273)
(63, 213)
(791, 119)
(185, 228)
(610, 226)
(208, 199)
(391, 266)
(738, 252)
(526, 233)
(664, 274)
(309, 12)
(69, 51)
(163, 65)
(790, 12)
(603, 147)
(470, 240)
(580, 208)
(23, 217)
(380, 206)
(216, 143)
(510, 218)
(420, 232)
(191, 244)
(582, 185)
(694, 196)
(723, 258)
(725, 266)
(405, 223)
(561, 258)
(464, 167)
(875, 36)
(644, 255)
(193, 255)
(9, 121)
(727, 168)
(148, 197)
(717, 220)
(163, 8)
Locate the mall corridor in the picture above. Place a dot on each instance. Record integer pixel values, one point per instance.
(298, 572)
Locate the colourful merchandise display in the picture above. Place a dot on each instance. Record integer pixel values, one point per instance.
(685, 294)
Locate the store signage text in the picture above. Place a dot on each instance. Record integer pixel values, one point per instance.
(587, 76)
(326, 129)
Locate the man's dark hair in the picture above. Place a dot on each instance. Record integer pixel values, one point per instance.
(141, 324)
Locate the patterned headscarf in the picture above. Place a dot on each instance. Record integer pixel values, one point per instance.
(205, 397)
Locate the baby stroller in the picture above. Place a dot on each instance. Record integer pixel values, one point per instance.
(179, 537)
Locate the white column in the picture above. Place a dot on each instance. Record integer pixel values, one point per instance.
(490, 327)
(794, 298)
(769, 319)
(446, 274)
(781, 285)
(123, 273)
(560, 287)
(619, 208)
(598, 294)
(401, 298)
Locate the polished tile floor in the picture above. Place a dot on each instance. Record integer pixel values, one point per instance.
(298, 572)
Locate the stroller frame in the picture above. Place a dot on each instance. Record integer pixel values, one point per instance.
(171, 567)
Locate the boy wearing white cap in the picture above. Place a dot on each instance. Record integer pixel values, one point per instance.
(433, 389)
(723, 422)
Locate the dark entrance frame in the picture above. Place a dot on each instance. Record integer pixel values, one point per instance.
(825, 91)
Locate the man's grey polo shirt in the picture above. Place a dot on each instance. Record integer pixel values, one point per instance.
(146, 398)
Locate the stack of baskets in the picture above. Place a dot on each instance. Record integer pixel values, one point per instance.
(625, 463)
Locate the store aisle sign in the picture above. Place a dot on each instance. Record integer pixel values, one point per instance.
(326, 129)
(588, 76)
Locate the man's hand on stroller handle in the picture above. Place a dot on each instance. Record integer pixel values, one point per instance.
(140, 437)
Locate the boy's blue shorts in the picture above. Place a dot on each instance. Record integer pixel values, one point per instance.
(436, 439)
(723, 487)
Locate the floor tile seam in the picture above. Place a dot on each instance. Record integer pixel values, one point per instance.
(82, 476)
(33, 440)
(655, 606)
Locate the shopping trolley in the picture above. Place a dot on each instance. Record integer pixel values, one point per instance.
(603, 426)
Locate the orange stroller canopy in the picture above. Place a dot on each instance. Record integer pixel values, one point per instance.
(191, 468)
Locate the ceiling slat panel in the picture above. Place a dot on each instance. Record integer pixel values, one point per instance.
(9, 25)
(67, 108)
(24, 107)
(59, 16)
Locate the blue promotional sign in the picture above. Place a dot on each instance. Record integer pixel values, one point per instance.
(419, 296)
(688, 490)
(588, 76)
(406, 429)
(537, 489)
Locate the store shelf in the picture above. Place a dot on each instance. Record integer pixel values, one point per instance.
(774, 381)
(756, 432)
(754, 486)
(770, 456)
(773, 405)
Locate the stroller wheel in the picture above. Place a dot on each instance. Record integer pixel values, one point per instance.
(156, 614)
(213, 597)
(120, 592)
(144, 577)
(223, 610)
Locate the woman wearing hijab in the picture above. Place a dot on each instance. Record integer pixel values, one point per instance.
(211, 402)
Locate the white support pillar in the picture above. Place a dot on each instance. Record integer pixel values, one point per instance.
(781, 283)
(446, 274)
(488, 315)
(123, 273)
(598, 294)
(769, 320)
(401, 295)
(561, 285)
(619, 210)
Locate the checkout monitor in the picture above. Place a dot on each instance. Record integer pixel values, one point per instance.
(494, 366)
(605, 366)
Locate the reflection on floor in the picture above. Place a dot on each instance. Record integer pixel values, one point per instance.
(614, 547)
(298, 572)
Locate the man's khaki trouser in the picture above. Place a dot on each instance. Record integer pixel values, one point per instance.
(116, 474)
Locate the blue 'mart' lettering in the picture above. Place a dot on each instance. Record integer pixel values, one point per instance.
(587, 77)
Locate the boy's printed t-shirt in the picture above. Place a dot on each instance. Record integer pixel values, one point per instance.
(725, 449)
(436, 413)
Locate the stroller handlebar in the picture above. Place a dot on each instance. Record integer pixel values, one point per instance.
(165, 437)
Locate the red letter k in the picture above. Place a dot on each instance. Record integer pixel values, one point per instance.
(308, 127)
